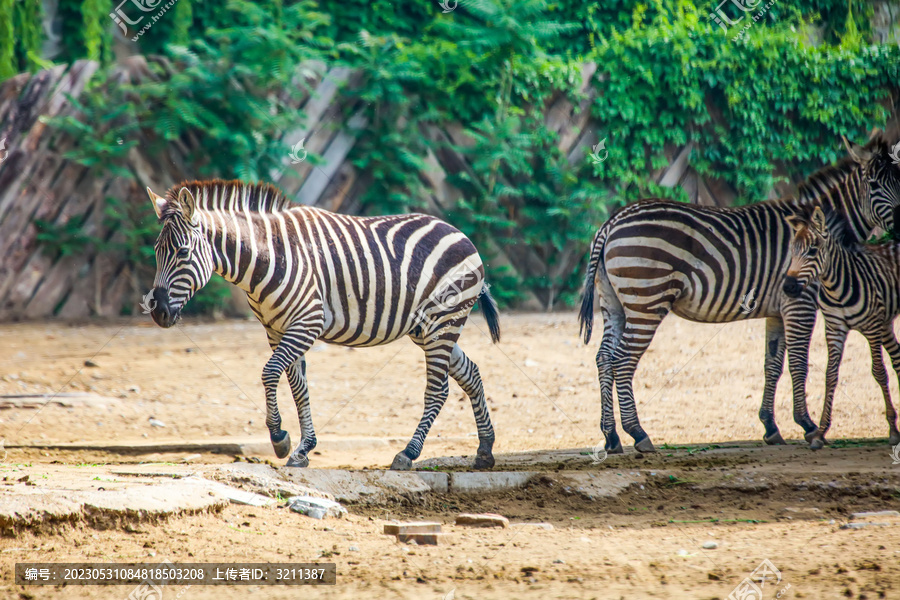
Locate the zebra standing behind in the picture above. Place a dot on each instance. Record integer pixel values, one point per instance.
(706, 264)
(859, 290)
(310, 274)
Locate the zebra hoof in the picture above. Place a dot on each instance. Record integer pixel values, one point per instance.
(645, 445)
(775, 439)
(483, 463)
(283, 446)
(817, 443)
(401, 462)
(810, 436)
(895, 438)
(617, 449)
(298, 460)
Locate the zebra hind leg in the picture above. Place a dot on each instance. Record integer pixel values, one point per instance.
(612, 333)
(635, 339)
(296, 374)
(437, 366)
(775, 347)
(466, 374)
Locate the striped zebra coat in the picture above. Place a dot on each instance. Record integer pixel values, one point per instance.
(859, 290)
(310, 274)
(717, 265)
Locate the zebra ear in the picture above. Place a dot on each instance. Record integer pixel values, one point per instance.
(188, 205)
(159, 203)
(818, 221)
(857, 152)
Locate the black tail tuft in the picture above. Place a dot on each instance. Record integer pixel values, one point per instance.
(586, 316)
(489, 308)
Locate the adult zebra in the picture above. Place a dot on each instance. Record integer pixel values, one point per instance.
(310, 274)
(859, 289)
(717, 265)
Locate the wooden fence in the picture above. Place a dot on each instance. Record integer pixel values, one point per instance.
(38, 184)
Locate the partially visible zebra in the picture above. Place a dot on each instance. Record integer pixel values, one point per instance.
(859, 290)
(310, 274)
(717, 265)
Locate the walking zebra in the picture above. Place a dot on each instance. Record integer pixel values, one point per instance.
(310, 274)
(717, 265)
(859, 290)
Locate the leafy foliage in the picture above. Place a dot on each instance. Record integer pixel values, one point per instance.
(477, 82)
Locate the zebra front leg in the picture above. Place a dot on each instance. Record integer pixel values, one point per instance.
(466, 374)
(612, 332)
(800, 319)
(775, 347)
(291, 346)
(835, 336)
(635, 340)
(296, 374)
(893, 350)
(437, 366)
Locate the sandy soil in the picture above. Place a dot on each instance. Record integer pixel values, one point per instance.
(697, 384)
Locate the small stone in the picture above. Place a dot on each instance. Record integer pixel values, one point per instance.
(90, 363)
(154, 422)
(422, 539)
(134, 389)
(559, 561)
(482, 520)
(710, 545)
(317, 508)
(354, 549)
(411, 528)
(190, 457)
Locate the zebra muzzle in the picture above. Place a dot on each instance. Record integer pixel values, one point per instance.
(162, 312)
(792, 286)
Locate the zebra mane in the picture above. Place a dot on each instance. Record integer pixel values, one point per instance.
(218, 194)
(830, 174)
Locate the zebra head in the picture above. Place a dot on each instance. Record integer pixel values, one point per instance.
(881, 172)
(184, 261)
(810, 251)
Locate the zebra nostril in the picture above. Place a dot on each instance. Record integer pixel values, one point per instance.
(792, 287)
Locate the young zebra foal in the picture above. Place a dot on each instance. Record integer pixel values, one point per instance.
(310, 274)
(859, 290)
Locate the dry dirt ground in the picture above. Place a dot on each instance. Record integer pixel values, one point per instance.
(698, 384)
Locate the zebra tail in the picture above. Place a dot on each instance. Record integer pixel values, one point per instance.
(586, 316)
(489, 309)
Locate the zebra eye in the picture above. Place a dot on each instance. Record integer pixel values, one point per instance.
(183, 252)
(812, 251)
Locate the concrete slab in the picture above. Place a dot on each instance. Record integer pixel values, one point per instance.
(262, 479)
(367, 487)
(488, 481)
